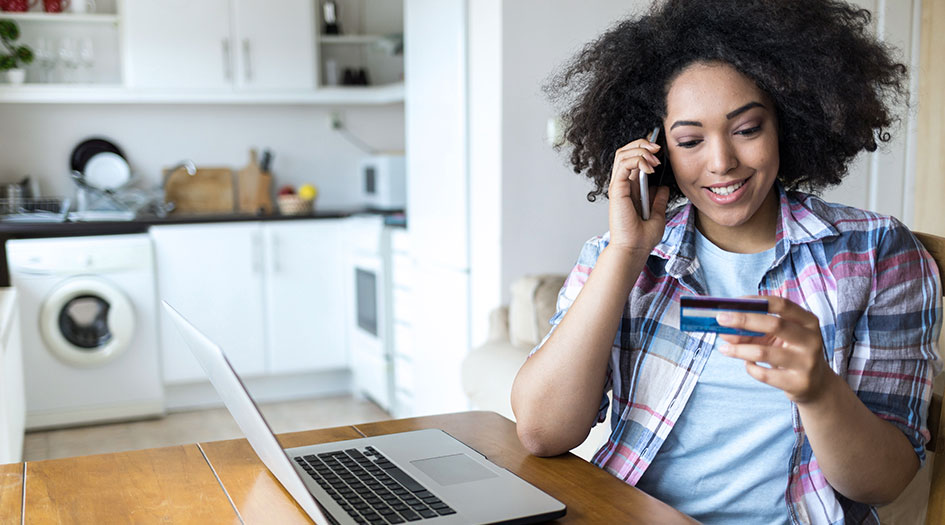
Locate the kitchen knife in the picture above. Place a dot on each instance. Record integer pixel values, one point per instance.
(266, 161)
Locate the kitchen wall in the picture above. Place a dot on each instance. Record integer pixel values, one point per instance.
(37, 139)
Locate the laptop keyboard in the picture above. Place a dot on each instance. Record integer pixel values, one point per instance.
(370, 488)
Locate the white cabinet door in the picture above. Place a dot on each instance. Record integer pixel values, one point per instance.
(305, 292)
(12, 397)
(212, 274)
(221, 45)
(276, 44)
(179, 44)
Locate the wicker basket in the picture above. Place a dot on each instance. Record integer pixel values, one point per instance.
(294, 205)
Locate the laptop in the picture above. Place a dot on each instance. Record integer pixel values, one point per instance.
(422, 476)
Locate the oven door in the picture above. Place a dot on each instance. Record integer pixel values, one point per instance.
(370, 360)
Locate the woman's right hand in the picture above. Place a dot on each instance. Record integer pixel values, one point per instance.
(628, 230)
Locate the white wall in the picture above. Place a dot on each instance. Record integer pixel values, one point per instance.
(546, 215)
(884, 181)
(528, 210)
(38, 139)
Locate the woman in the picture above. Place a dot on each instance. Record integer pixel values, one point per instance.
(822, 416)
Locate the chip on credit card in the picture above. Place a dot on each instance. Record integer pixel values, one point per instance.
(697, 313)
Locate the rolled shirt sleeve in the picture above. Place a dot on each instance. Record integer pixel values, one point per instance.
(569, 292)
(896, 357)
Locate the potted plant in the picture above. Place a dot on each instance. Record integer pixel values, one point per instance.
(12, 56)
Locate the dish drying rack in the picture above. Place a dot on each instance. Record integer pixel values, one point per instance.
(40, 209)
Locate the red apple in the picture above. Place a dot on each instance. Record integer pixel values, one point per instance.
(287, 190)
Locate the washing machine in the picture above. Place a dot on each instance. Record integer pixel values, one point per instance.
(88, 318)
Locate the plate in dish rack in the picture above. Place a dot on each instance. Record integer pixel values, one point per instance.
(106, 171)
(86, 149)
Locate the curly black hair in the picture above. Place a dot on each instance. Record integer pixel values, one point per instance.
(832, 82)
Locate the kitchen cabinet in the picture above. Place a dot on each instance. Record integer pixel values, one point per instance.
(214, 52)
(305, 295)
(220, 44)
(12, 398)
(270, 294)
(212, 274)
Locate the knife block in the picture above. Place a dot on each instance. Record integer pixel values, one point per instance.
(254, 188)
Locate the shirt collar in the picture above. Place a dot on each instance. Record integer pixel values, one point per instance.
(798, 223)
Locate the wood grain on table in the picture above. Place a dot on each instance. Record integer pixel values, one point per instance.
(170, 485)
(11, 492)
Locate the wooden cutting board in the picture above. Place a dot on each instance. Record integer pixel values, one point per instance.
(254, 188)
(210, 190)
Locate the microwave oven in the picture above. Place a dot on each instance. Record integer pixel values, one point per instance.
(383, 181)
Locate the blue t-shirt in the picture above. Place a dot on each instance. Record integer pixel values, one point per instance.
(728, 457)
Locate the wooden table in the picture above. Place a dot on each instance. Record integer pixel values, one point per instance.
(224, 481)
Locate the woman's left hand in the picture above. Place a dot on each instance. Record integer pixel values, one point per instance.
(792, 345)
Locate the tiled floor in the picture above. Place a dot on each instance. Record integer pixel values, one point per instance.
(200, 425)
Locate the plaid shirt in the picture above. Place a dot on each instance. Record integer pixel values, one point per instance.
(874, 288)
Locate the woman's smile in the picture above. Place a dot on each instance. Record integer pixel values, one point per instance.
(727, 192)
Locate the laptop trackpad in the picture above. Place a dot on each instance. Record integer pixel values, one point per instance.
(450, 470)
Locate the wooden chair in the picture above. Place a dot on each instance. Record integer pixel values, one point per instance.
(936, 512)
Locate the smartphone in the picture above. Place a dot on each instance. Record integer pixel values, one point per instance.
(644, 180)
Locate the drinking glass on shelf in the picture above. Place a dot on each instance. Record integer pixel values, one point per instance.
(82, 6)
(68, 58)
(45, 54)
(86, 57)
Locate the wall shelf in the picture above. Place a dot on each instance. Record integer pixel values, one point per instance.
(66, 18)
(117, 94)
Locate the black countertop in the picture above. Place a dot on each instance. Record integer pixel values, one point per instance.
(27, 229)
(20, 229)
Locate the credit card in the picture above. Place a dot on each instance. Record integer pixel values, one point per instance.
(697, 313)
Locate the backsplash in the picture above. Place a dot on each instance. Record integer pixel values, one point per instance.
(37, 139)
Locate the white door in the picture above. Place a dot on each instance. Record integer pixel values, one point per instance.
(306, 296)
(212, 274)
(179, 44)
(276, 42)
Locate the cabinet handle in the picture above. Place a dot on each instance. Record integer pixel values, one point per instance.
(227, 61)
(276, 266)
(257, 252)
(247, 60)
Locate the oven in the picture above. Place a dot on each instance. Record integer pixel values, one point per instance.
(369, 315)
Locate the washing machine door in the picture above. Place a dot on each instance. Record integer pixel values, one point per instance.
(87, 321)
